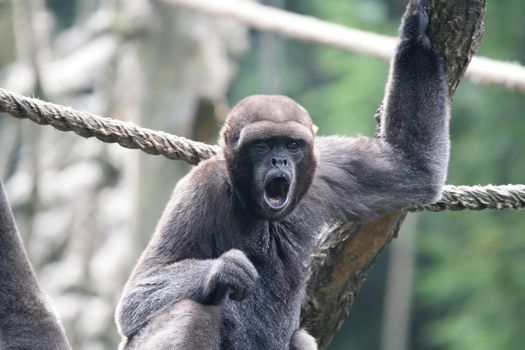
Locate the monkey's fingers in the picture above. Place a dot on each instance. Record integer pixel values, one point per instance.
(217, 295)
(422, 21)
(239, 294)
(414, 26)
(241, 283)
(239, 259)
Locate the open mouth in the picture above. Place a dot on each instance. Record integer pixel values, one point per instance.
(276, 192)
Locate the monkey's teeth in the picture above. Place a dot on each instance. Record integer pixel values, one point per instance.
(274, 201)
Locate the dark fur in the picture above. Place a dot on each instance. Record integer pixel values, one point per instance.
(213, 227)
(26, 319)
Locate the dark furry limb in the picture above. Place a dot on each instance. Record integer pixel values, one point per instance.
(344, 255)
(26, 318)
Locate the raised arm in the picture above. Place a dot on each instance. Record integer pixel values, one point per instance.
(416, 116)
(407, 163)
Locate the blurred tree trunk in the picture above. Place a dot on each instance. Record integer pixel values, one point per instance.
(185, 62)
(344, 255)
(395, 332)
(97, 204)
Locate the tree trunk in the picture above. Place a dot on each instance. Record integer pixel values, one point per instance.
(343, 255)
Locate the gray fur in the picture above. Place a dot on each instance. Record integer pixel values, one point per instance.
(214, 209)
(197, 279)
(27, 321)
(179, 327)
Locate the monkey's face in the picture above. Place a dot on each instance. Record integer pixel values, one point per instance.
(268, 146)
(270, 175)
(279, 176)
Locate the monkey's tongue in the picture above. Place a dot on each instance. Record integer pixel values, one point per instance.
(276, 192)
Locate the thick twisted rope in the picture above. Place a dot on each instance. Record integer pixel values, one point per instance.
(174, 147)
(108, 130)
(478, 198)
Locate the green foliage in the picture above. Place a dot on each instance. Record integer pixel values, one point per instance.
(336, 107)
(473, 283)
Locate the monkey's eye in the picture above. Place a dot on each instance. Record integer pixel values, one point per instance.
(293, 146)
(261, 146)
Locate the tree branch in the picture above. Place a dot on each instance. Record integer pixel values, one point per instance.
(344, 254)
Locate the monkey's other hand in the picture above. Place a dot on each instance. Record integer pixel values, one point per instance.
(231, 273)
(302, 340)
(415, 24)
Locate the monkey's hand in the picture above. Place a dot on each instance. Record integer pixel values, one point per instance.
(415, 25)
(231, 274)
(302, 340)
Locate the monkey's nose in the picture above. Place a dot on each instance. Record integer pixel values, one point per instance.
(279, 161)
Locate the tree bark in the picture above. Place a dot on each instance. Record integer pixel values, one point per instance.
(343, 255)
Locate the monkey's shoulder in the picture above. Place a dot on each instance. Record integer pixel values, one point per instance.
(204, 194)
(208, 180)
(344, 151)
(199, 208)
(333, 145)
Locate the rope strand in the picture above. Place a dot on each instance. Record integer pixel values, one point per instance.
(481, 70)
(108, 130)
(174, 147)
(478, 198)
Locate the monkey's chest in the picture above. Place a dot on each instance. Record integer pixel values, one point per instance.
(266, 319)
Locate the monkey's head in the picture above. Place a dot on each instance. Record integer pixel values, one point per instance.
(268, 144)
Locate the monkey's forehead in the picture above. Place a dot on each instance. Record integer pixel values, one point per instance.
(275, 108)
(265, 129)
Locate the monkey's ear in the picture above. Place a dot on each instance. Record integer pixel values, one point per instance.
(314, 129)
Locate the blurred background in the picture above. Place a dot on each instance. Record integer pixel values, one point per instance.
(86, 209)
